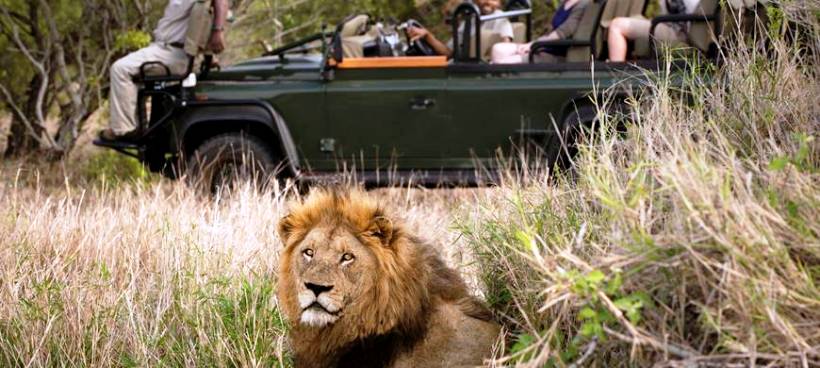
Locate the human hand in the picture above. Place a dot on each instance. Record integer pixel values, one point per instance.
(217, 42)
(524, 49)
(417, 33)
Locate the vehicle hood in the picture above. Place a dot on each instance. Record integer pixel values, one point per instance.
(271, 67)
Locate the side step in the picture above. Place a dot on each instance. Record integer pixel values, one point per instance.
(121, 147)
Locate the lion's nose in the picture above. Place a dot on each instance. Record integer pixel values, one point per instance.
(318, 289)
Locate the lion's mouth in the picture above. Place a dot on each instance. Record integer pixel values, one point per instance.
(316, 315)
(321, 308)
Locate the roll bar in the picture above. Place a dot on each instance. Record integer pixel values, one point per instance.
(300, 44)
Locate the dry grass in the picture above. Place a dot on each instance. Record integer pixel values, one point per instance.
(690, 239)
(149, 273)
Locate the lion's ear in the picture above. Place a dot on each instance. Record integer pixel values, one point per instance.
(382, 228)
(285, 228)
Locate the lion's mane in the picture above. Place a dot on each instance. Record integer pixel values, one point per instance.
(391, 317)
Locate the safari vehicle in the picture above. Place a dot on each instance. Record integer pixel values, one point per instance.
(395, 111)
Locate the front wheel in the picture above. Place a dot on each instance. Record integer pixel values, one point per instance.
(229, 159)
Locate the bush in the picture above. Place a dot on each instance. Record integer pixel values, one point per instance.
(691, 240)
(110, 167)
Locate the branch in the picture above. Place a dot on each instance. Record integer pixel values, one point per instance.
(15, 15)
(22, 117)
(41, 93)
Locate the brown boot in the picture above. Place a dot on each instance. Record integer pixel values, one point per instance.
(109, 135)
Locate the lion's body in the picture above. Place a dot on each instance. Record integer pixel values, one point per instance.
(358, 292)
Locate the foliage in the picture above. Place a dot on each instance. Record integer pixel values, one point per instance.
(684, 235)
(112, 168)
(132, 40)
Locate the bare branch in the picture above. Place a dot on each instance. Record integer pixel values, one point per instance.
(41, 69)
(21, 116)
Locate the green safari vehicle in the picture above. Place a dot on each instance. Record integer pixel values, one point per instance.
(392, 113)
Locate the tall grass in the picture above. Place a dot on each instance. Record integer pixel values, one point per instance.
(692, 239)
(137, 276)
(133, 272)
(686, 237)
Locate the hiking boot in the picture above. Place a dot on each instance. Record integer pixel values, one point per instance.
(109, 135)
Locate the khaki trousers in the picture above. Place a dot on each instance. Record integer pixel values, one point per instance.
(123, 98)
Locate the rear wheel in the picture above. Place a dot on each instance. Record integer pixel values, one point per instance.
(229, 159)
(566, 145)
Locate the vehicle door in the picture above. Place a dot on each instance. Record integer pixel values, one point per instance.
(502, 109)
(386, 117)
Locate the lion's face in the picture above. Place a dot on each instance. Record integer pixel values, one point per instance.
(330, 267)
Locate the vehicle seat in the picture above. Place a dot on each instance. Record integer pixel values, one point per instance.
(615, 9)
(488, 40)
(519, 32)
(355, 35)
(702, 35)
(588, 30)
(355, 26)
(519, 26)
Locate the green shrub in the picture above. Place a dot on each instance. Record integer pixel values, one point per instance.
(689, 239)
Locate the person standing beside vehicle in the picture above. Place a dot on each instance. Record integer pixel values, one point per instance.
(169, 48)
(501, 27)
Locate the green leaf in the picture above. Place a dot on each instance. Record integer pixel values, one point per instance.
(595, 277)
(778, 163)
(522, 342)
(525, 239)
(614, 284)
(588, 329)
(624, 303)
(587, 313)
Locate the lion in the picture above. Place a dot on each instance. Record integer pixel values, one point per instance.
(358, 290)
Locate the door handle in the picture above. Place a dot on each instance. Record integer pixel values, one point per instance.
(422, 103)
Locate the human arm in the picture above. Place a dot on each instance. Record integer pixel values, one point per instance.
(568, 28)
(217, 42)
(417, 33)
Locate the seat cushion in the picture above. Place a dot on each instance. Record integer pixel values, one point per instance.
(519, 32)
(353, 47)
(355, 26)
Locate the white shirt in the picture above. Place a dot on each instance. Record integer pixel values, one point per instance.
(500, 26)
(174, 23)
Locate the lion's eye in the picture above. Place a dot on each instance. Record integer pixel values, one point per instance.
(308, 253)
(347, 257)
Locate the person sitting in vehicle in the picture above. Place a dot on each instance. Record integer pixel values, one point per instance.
(564, 23)
(168, 47)
(624, 29)
(501, 27)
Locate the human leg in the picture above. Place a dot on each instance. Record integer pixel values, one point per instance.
(506, 53)
(622, 30)
(123, 94)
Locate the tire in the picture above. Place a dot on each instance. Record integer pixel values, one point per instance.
(566, 146)
(229, 159)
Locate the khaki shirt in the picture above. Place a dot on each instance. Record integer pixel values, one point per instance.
(174, 23)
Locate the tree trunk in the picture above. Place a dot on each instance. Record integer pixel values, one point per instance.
(20, 141)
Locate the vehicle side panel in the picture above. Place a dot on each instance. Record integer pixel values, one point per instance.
(387, 118)
(299, 103)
